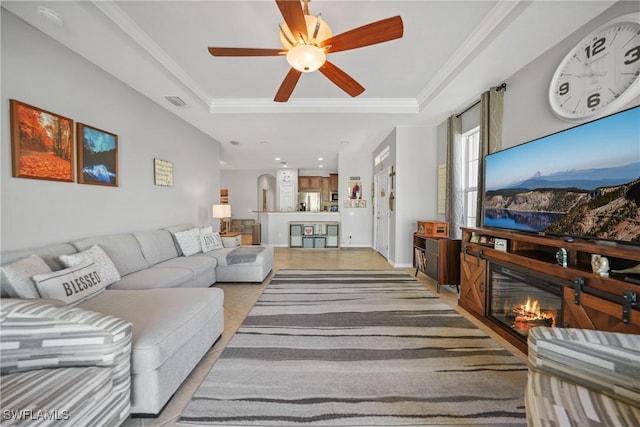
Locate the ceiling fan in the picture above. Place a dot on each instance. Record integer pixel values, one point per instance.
(308, 39)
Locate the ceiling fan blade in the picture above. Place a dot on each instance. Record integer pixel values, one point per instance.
(287, 86)
(373, 33)
(293, 15)
(341, 79)
(244, 51)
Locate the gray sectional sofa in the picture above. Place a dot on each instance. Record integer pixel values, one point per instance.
(175, 315)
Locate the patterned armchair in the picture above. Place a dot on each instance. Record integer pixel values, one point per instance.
(581, 377)
(60, 363)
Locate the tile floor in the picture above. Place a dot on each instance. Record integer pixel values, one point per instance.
(240, 298)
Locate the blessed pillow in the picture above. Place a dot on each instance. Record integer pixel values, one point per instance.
(71, 285)
(16, 277)
(107, 269)
(210, 241)
(189, 241)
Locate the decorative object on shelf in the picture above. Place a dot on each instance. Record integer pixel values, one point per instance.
(631, 270)
(475, 238)
(500, 245)
(223, 212)
(308, 230)
(97, 156)
(600, 74)
(562, 257)
(162, 173)
(600, 265)
(41, 143)
(433, 228)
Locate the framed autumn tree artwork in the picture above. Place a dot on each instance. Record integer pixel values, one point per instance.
(41, 143)
(97, 156)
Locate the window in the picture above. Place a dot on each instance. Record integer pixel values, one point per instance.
(471, 147)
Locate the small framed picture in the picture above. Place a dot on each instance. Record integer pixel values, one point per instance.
(97, 156)
(483, 240)
(475, 238)
(308, 230)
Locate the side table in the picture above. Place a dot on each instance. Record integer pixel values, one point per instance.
(231, 239)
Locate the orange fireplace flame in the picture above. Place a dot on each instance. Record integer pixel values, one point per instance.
(531, 313)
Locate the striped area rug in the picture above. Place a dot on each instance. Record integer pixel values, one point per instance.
(358, 348)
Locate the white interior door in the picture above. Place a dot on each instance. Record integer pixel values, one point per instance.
(381, 220)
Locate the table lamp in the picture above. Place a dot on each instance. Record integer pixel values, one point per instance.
(224, 213)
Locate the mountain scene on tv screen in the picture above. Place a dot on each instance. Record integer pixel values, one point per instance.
(600, 203)
(583, 181)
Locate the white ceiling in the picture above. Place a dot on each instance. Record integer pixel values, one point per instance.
(451, 51)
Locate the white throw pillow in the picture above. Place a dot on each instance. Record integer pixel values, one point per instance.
(17, 277)
(210, 241)
(108, 271)
(189, 241)
(71, 285)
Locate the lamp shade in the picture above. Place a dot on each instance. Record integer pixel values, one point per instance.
(221, 211)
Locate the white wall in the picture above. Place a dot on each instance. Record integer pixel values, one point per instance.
(39, 71)
(243, 191)
(416, 186)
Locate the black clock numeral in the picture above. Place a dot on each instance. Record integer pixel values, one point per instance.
(563, 89)
(634, 54)
(597, 47)
(593, 100)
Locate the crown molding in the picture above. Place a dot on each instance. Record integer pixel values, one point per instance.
(484, 30)
(315, 105)
(112, 11)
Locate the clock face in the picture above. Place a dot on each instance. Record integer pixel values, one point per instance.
(601, 74)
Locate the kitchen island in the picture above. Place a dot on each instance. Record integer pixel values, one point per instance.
(275, 226)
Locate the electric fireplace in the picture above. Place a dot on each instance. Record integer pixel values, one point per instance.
(520, 299)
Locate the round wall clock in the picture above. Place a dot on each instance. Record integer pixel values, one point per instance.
(600, 74)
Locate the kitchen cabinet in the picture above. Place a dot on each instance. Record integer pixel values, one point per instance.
(309, 183)
(325, 190)
(333, 182)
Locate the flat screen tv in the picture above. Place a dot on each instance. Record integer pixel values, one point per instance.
(581, 182)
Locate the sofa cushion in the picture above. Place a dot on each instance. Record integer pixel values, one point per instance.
(175, 229)
(162, 328)
(156, 245)
(153, 277)
(108, 271)
(210, 241)
(17, 277)
(49, 255)
(198, 265)
(123, 249)
(71, 285)
(189, 241)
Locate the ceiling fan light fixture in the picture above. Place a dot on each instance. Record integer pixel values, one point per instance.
(306, 57)
(317, 29)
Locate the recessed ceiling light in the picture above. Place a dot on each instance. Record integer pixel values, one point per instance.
(263, 142)
(277, 159)
(50, 15)
(320, 159)
(320, 166)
